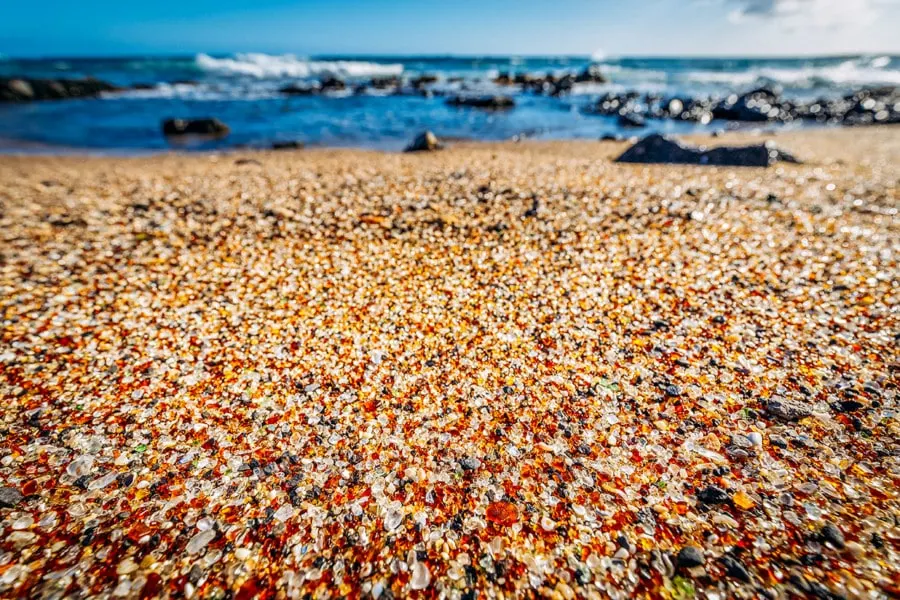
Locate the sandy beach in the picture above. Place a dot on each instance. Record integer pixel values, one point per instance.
(497, 370)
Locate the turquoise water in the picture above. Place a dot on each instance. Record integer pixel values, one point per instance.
(242, 90)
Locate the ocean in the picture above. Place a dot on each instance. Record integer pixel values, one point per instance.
(242, 90)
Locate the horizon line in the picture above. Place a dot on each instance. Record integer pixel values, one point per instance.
(445, 55)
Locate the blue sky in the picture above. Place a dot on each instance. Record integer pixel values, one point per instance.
(621, 27)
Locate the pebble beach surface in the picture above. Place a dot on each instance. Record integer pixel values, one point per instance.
(497, 370)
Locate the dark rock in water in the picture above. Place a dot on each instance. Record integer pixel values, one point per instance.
(287, 145)
(299, 90)
(202, 127)
(611, 137)
(734, 568)
(10, 497)
(713, 495)
(485, 102)
(787, 410)
(503, 79)
(423, 80)
(562, 85)
(755, 106)
(831, 534)
(659, 149)
(592, 74)
(424, 142)
(383, 83)
(333, 84)
(29, 90)
(143, 86)
(632, 121)
(689, 557)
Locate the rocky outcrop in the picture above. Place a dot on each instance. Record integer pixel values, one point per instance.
(592, 74)
(30, 90)
(424, 142)
(299, 90)
(483, 102)
(423, 80)
(632, 121)
(870, 106)
(333, 84)
(206, 127)
(659, 149)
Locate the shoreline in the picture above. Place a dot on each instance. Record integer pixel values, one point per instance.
(8, 146)
(711, 139)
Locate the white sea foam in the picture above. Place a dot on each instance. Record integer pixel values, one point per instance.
(287, 65)
(849, 72)
(201, 92)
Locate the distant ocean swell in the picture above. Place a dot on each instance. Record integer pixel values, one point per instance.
(857, 71)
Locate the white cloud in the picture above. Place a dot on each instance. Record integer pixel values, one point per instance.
(819, 14)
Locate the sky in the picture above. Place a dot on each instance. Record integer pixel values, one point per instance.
(465, 27)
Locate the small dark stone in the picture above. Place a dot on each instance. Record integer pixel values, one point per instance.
(469, 463)
(713, 495)
(10, 497)
(622, 542)
(125, 479)
(734, 568)
(689, 557)
(818, 590)
(196, 574)
(778, 441)
(787, 410)
(831, 534)
(847, 406)
(424, 142)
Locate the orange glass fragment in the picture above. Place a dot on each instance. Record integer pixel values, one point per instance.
(742, 501)
(502, 513)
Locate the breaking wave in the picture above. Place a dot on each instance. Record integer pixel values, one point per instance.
(865, 71)
(264, 66)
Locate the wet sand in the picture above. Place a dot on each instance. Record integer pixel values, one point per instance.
(497, 370)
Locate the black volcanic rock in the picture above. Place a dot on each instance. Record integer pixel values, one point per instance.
(659, 149)
(29, 90)
(333, 84)
(484, 102)
(299, 90)
(632, 120)
(592, 74)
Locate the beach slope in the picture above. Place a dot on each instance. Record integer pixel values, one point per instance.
(516, 368)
